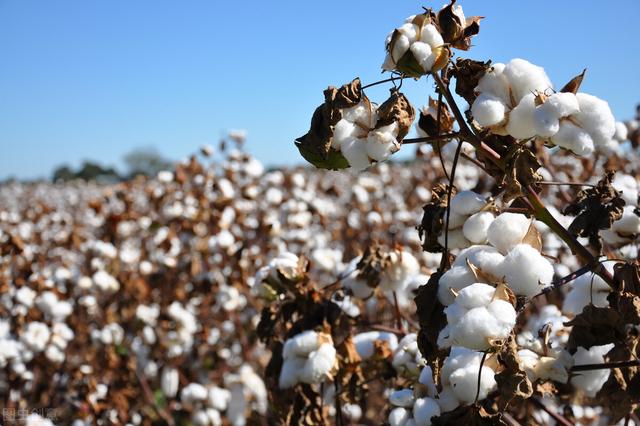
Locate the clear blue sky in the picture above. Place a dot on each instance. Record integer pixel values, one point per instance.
(95, 79)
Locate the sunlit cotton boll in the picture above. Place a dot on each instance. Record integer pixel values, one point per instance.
(508, 230)
(403, 266)
(475, 320)
(364, 342)
(585, 290)
(526, 271)
(590, 382)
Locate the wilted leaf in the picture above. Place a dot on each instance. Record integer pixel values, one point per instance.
(513, 383)
(428, 120)
(627, 276)
(433, 219)
(457, 30)
(521, 170)
(594, 327)
(468, 415)
(430, 316)
(396, 109)
(467, 73)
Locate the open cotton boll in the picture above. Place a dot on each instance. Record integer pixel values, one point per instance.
(319, 364)
(466, 203)
(454, 240)
(381, 143)
(403, 265)
(628, 185)
(447, 399)
(407, 358)
(507, 230)
(343, 131)
(596, 118)
(488, 110)
(431, 36)
(455, 220)
(399, 416)
(362, 114)
(521, 124)
(355, 151)
(526, 78)
(301, 344)
(426, 378)
(364, 342)
(574, 138)
(192, 394)
(475, 321)
(410, 30)
(475, 228)
(495, 83)
(526, 271)
(424, 409)
(402, 398)
(545, 122)
(590, 382)
(290, 372)
(400, 47)
(423, 55)
(586, 289)
(628, 224)
(455, 279)
(560, 105)
(464, 382)
(622, 133)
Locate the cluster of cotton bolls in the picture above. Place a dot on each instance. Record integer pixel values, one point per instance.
(468, 221)
(417, 41)
(360, 139)
(309, 357)
(517, 99)
(507, 257)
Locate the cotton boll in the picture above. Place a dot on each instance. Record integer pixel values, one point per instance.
(508, 230)
(627, 226)
(488, 110)
(475, 296)
(355, 151)
(455, 239)
(476, 227)
(400, 47)
(521, 124)
(343, 131)
(447, 399)
(402, 398)
(586, 289)
(526, 78)
(301, 344)
(169, 381)
(290, 372)
(426, 379)
(574, 138)
(495, 83)
(424, 409)
(590, 382)
(431, 36)
(464, 382)
(422, 53)
(596, 118)
(561, 105)
(621, 133)
(410, 31)
(505, 314)
(455, 220)
(381, 143)
(364, 342)
(396, 275)
(454, 280)
(474, 330)
(361, 114)
(466, 203)
(473, 254)
(628, 185)
(526, 271)
(319, 364)
(192, 394)
(546, 122)
(399, 417)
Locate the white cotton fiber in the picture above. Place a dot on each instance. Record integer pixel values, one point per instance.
(447, 399)
(561, 104)
(402, 398)
(507, 230)
(454, 279)
(476, 226)
(546, 123)
(319, 364)
(426, 378)
(464, 382)
(422, 53)
(424, 409)
(301, 344)
(400, 47)
(343, 131)
(526, 78)
(596, 118)
(355, 152)
(399, 416)
(290, 372)
(466, 203)
(586, 289)
(410, 30)
(622, 133)
(488, 110)
(572, 137)
(455, 220)
(475, 296)
(455, 239)
(381, 144)
(495, 83)
(526, 271)
(590, 382)
(431, 36)
(521, 123)
(364, 342)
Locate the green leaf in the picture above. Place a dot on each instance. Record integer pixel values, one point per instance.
(408, 65)
(334, 160)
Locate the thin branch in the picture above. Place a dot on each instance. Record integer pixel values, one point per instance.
(606, 365)
(430, 138)
(557, 417)
(382, 81)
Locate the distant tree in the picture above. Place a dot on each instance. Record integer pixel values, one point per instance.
(62, 173)
(145, 161)
(94, 171)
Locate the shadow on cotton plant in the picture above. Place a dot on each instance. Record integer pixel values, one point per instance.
(498, 339)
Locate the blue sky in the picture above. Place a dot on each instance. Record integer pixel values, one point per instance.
(95, 79)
